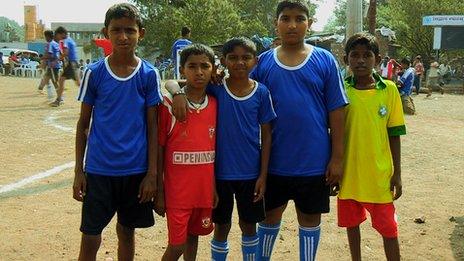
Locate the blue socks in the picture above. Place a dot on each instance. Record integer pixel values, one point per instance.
(249, 247)
(267, 235)
(219, 250)
(309, 239)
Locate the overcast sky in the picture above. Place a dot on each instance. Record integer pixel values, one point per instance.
(93, 11)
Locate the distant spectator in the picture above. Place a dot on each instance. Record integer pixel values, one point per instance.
(419, 68)
(178, 45)
(433, 79)
(405, 84)
(1, 59)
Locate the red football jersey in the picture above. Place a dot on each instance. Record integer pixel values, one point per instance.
(189, 152)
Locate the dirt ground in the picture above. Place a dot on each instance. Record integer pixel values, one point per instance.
(39, 220)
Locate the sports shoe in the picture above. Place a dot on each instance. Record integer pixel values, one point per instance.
(56, 103)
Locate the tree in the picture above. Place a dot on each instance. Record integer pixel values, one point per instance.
(212, 21)
(10, 30)
(405, 18)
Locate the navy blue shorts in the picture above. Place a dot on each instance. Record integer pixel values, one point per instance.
(310, 194)
(107, 195)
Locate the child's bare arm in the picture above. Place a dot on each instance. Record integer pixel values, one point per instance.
(266, 141)
(160, 206)
(334, 170)
(396, 186)
(79, 185)
(147, 190)
(179, 102)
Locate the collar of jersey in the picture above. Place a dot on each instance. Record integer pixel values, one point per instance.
(379, 81)
(292, 68)
(107, 65)
(237, 97)
(203, 105)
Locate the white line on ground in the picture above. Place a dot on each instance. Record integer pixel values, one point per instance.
(41, 175)
(51, 120)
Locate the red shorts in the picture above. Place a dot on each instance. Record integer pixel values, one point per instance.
(194, 221)
(351, 213)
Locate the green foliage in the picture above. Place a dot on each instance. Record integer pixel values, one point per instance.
(405, 18)
(212, 21)
(10, 30)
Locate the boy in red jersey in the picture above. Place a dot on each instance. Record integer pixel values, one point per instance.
(186, 158)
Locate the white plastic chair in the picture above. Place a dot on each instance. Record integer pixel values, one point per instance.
(32, 68)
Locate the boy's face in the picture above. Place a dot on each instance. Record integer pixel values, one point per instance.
(197, 71)
(239, 62)
(362, 60)
(124, 34)
(292, 25)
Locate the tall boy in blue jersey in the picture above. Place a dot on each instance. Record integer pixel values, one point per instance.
(119, 96)
(405, 83)
(244, 112)
(307, 136)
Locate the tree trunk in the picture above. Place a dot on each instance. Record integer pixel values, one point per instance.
(371, 16)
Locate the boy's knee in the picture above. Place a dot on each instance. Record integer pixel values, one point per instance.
(124, 231)
(248, 229)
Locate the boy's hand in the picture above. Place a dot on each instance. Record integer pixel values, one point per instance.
(79, 185)
(334, 189)
(260, 188)
(334, 172)
(179, 107)
(159, 205)
(396, 187)
(216, 78)
(147, 189)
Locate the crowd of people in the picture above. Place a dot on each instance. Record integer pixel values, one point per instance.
(280, 127)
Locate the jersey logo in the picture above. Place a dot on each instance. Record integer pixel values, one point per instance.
(193, 157)
(382, 111)
(206, 222)
(211, 131)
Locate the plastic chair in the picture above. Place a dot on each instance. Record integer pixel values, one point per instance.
(32, 68)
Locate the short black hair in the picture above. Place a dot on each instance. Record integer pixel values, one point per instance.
(185, 31)
(123, 10)
(196, 49)
(292, 4)
(61, 30)
(48, 33)
(365, 39)
(244, 42)
(406, 60)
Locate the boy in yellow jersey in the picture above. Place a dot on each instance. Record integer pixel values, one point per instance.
(372, 168)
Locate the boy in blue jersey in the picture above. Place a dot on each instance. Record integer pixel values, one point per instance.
(244, 112)
(51, 57)
(405, 83)
(307, 136)
(177, 46)
(119, 95)
(70, 63)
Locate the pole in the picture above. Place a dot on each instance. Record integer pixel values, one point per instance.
(353, 17)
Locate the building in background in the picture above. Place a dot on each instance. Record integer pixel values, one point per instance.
(33, 28)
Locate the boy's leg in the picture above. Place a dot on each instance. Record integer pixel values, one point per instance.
(173, 252)
(392, 248)
(249, 240)
(98, 208)
(249, 213)
(219, 244)
(191, 248)
(89, 247)
(276, 198)
(126, 244)
(311, 200)
(222, 216)
(384, 221)
(354, 239)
